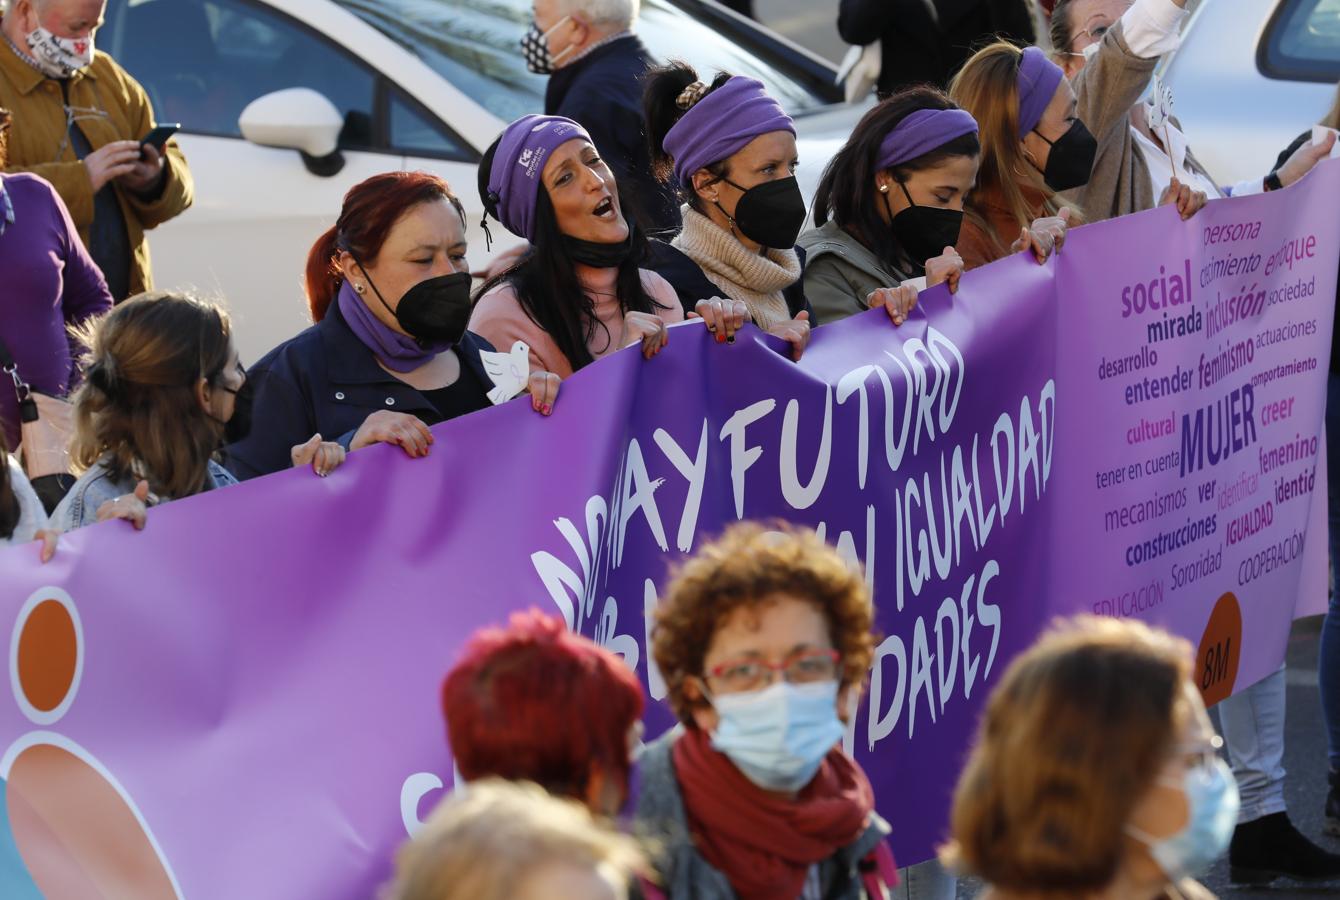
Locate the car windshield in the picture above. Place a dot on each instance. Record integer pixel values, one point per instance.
(474, 45)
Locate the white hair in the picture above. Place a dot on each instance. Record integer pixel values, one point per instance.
(618, 15)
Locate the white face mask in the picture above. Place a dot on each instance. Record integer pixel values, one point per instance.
(59, 57)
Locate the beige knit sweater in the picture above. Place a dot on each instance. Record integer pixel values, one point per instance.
(757, 280)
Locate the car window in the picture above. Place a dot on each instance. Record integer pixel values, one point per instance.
(671, 34)
(416, 133)
(203, 61)
(474, 44)
(1302, 42)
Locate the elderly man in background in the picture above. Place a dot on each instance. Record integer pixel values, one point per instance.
(595, 65)
(78, 121)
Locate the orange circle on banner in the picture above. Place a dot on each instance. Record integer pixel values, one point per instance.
(1220, 651)
(48, 655)
(76, 834)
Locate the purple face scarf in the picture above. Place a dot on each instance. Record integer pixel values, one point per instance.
(721, 123)
(1038, 79)
(398, 352)
(514, 177)
(921, 132)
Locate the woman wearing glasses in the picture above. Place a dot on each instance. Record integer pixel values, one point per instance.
(159, 393)
(763, 639)
(1096, 772)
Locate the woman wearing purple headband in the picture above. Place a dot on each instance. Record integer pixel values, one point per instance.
(889, 207)
(1109, 50)
(578, 294)
(1033, 147)
(731, 151)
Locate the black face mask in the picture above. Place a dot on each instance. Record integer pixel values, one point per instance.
(771, 213)
(434, 311)
(239, 426)
(597, 255)
(1070, 163)
(924, 231)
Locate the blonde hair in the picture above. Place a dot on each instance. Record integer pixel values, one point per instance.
(988, 87)
(485, 839)
(1332, 119)
(1075, 732)
(137, 409)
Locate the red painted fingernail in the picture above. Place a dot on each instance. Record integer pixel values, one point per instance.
(548, 408)
(721, 338)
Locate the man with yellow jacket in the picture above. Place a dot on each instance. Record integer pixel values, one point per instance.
(78, 121)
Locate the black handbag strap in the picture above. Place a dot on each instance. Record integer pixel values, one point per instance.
(23, 392)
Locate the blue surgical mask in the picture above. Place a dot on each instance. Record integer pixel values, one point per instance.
(778, 736)
(1212, 795)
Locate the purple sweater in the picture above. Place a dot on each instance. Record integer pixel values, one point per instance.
(47, 282)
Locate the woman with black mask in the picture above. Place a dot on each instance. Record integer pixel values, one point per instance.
(578, 294)
(731, 151)
(389, 290)
(889, 207)
(1033, 147)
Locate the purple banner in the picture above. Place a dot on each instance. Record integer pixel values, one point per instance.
(242, 700)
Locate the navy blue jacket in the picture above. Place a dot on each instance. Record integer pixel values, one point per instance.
(602, 91)
(327, 381)
(1302, 139)
(692, 285)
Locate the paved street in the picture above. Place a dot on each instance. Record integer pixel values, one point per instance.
(1305, 760)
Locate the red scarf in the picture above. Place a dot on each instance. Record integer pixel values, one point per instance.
(764, 844)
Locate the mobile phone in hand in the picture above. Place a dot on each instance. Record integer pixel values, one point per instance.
(159, 136)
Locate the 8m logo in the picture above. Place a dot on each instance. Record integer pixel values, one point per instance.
(1220, 651)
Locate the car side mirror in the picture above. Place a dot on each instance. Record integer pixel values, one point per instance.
(297, 119)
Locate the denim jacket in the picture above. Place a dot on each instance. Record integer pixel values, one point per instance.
(96, 486)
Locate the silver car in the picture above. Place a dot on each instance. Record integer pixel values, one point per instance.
(1251, 76)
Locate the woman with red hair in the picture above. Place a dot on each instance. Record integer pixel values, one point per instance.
(389, 355)
(536, 702)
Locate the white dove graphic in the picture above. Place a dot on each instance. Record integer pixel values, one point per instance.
(508, 371)
(1161, 104)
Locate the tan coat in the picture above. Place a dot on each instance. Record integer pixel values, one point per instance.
(1110, 84)
(39, 143)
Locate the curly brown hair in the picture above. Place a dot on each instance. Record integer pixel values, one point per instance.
(748, 566)
(1073, 734)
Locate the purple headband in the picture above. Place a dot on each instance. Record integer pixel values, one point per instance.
(1038, 80)
(514, 177)
(921, 132)
(722, 122)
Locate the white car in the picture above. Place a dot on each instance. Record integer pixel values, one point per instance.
(386, 84)
(1252, 75)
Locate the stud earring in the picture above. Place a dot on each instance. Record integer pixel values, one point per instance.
(883, 188)
(360, 288)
